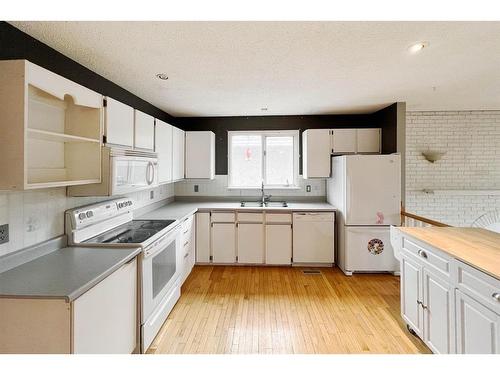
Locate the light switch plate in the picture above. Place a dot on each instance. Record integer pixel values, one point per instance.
(4, 233)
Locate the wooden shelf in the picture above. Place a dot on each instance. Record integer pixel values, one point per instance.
(57, 137)
(41, 185)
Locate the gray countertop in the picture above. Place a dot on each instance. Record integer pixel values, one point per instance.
(179, 210)
(66, 273)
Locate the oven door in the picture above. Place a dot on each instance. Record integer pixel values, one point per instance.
(130, 174)
(160, 270)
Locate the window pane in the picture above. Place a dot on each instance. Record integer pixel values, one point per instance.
(246, 160)
(279, 160)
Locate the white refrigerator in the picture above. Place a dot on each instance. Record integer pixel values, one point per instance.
(366, 190)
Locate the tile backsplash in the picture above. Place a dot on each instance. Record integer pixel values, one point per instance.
(38, 215)
(218, 188)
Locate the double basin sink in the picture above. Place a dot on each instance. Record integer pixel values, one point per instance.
(264, 204)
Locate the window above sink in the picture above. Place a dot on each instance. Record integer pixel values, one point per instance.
(271, 157)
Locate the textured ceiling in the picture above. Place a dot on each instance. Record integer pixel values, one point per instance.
(237, 68)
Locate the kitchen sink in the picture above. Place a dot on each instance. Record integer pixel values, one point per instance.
(251, 204)
(277, 204)
(266, 204)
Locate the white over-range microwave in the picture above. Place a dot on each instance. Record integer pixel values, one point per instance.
(123, 171)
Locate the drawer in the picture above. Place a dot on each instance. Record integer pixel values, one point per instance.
(250, 217)
(187, 227)
(429, 257)
(279, 218)
(478, 285)
(223, 217)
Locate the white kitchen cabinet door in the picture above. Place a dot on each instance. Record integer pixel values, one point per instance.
(316, 153)
(119, 123)
(144, 131)
(223, 243)
(343, 141)
(411, 294)
(368, 140)
(200, 154)
(478, 328)
(163, 147)
(279, 244)
(250, 243)
(178, 154)
(438, 313)
(202, 241)
(105, 317)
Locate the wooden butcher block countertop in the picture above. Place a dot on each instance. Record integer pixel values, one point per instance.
(477, 247)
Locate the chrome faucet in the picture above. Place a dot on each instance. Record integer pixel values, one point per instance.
(264, 198)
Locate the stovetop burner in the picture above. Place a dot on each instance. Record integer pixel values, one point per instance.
(135, 231)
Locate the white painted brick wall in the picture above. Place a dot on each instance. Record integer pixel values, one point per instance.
(471, 140)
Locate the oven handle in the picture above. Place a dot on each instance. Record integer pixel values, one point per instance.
(173, 235)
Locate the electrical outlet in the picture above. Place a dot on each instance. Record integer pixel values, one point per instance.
(196, 188)
(152, 194)
(4, 233)
(308, 188)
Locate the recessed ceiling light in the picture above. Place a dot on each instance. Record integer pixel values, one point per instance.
(417, 47)
(162, 76)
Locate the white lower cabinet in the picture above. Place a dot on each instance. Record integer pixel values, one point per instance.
(279, 244)
(437, 305)
(223, 242)
(105, 318)
(452, 306)
(188, 243)
(250, 243)
(202, 237)
(478, 327)
(411, 294)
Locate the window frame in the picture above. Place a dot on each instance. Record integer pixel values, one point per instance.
(264, 134)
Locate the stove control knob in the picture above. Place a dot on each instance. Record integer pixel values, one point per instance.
(120, 205)
(90, 214)
(129, 203)
(81, 216)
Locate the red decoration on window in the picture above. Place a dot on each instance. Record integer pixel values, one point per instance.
(248, 154)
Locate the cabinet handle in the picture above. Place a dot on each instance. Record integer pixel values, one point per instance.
(186, 255)
(186, 243)
(423, 254)
(422, 304)
(496, 296)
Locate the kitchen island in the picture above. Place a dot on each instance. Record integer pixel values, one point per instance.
(450, 287)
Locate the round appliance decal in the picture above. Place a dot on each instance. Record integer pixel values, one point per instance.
(375, 246)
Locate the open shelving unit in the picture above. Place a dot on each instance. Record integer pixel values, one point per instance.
(53, 126)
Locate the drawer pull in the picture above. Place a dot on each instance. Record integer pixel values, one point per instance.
(186, 255)
(496, 296)
(187, 230)
(423, 254)
(186, 243)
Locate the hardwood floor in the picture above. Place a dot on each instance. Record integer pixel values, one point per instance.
(281, 310)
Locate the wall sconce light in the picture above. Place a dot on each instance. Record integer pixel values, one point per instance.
(433, 156)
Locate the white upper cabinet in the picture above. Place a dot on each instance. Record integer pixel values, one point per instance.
(200, 154)
(119, 123)
(163, 147)
(316, 153)
(343, 141)
(178, 154)
(369, 140)
(51, 129)
(144, 131)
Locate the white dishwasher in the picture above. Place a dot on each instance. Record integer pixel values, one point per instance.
(313, 240)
